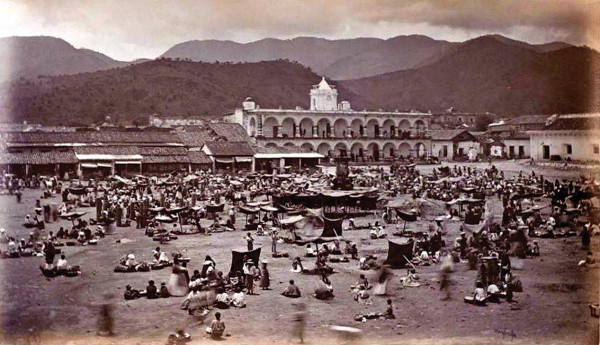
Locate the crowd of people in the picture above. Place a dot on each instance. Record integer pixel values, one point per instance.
(203, 203)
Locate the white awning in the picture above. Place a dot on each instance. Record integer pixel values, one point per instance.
(242, 159)
(89, 165)
(288, 155)
(105, 165)
(224, 160)
(106, 157)
(128, 162)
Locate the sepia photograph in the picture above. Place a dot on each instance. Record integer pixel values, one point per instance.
(353, 172)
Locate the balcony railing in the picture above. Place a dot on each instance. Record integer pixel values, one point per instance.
(408, 136)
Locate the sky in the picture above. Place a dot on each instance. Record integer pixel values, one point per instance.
(131, 29)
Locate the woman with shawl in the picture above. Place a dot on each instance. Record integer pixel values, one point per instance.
(179, 281)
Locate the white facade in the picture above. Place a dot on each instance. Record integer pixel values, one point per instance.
(323, 97)
(517, 148)
(338, 130)
(581, 145)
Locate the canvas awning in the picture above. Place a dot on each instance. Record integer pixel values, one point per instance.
(288, 155)
(128, 162)
(224, 160)
(242, 159)
(105, 165)
(89, 165)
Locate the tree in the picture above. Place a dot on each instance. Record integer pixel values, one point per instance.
(483, 121)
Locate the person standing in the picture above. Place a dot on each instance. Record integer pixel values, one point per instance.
(274, 241)
(264, 276)
(251, 272)
(49, 253)
(250, 241)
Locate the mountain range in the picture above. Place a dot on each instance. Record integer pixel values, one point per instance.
(30, 57)
(487, 74)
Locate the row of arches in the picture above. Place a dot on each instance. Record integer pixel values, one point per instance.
(339, 128)
(358, 151)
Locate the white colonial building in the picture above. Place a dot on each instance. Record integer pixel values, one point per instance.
(334, 129)
(574, 136)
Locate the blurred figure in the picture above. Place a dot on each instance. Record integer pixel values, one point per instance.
(446, 270)
(299, 320)
(106, 321)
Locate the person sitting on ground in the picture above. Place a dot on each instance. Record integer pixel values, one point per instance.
(368, 262)
(389, 310)
(29, 221)
(336, 248)
(411, 279)
(479, 296)
(292, 291)
(195, 276)
(151, 291)
(589, 260)
(222, 299)
(324, 289)
(354, 252)
(297, 265)
(61, 264)
(130, 262)
(131, 293)
(164, 292)
(363, 296)
(493, 292)
(179, 337)
(237, 299)
(348, 247)
(362, 280)
(310, 252)
(217, 327)
(160, 256)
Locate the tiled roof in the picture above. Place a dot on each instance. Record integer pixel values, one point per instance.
(230, 148)
(529, 119)
(38, 157)
(199, 157)
(280, 149)
(574, 122)
(446, 134)
(165, 159)
(106, 150)
(104, 137)
(196, 138)
(162, 151)
(230, 131)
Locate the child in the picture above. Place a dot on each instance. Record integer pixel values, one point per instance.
(389, 311)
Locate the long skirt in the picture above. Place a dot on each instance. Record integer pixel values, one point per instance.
(264, 279)
(178, 285)
(249, 282)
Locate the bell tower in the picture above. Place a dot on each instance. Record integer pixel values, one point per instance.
(323, 96)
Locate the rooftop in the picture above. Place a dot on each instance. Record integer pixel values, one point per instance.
(229, 148)
(579, 122)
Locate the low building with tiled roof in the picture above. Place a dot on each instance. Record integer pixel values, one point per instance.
(453, 144)
(229, 155)
(567, 137)
(44, 163)
(268, 158)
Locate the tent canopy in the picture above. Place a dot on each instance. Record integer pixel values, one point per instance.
(237, 259)
(399, 252)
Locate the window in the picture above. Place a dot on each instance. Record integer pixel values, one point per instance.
(568, 149)
(596, 149)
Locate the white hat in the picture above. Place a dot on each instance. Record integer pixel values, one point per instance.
(131, 256)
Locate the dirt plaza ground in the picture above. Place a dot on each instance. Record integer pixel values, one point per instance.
(553, 307)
